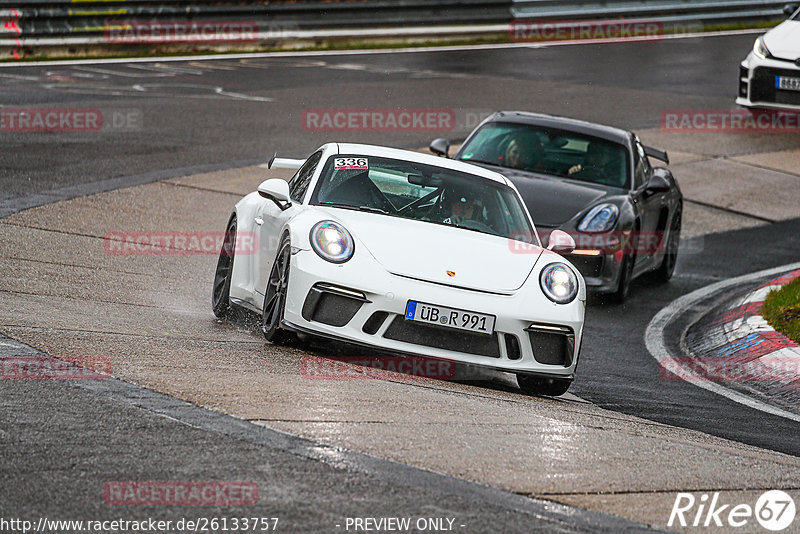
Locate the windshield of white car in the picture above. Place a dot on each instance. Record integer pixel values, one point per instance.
(422, 192)
(548, 151)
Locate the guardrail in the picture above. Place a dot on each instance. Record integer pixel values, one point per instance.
(27, 26)
(705, 11)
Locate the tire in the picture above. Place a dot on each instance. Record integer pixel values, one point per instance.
(221, 292)
(625, 278)
(275, 296)
(667, 268)
(537, 385)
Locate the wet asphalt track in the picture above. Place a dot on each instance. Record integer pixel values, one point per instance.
(188, 124)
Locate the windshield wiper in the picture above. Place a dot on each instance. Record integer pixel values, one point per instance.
(483, 162)
(369, 209)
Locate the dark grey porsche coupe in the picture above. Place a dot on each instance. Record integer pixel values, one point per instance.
(593, 181)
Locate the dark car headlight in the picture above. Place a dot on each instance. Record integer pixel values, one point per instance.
(332, 242)
(559, 283)
(601, 218)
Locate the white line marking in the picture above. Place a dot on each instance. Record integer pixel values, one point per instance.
(654, 338)
(312, 53)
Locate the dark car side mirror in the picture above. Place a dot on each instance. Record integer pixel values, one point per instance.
(440, 147)
(789, 9)
(658, 182)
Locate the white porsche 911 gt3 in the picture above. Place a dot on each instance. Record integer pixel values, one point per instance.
(407, 253)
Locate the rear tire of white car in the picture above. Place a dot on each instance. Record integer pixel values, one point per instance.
(539, 385)
(221, 294)
(275, 296)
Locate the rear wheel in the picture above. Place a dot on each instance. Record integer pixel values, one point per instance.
(275, 296)
(667, 268)
(221, 294)
(538, 385)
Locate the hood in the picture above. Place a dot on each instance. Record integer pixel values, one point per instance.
(426, 251)
(784, 40)
(552, 202)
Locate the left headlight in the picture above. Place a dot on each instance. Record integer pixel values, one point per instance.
(601, 218)
(559, 283)
(760, 49)
(332, 242)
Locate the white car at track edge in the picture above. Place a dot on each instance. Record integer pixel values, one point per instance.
(406, 253)
(769, 77)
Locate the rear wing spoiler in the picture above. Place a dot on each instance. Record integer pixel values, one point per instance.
(284, 163)
(658, 154)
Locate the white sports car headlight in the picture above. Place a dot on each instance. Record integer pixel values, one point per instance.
(332, 242)
(760, 49)
(601, 218)
(559, 283)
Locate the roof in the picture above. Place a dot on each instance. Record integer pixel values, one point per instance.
(563, 123)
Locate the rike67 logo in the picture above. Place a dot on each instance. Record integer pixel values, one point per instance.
(774, 510)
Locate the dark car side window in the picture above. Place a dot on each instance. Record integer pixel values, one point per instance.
(642, 169)
(298, 185)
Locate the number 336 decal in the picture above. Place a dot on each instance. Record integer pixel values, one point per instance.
(350, 163)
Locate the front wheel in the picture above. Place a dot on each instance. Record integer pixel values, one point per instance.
(625, 278)
(275, 296)
(537, 385)
(667, 268)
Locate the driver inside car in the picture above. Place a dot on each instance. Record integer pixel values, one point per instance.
(464, 207)
(598, 160)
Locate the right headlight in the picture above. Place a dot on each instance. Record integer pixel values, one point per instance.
(760, 49)
(601, 218)
(559, 283)
(332, 242)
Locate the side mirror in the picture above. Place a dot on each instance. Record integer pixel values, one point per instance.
(560, 242)
(276, 190)
(440, 147)
(659, 183)
(789, 9)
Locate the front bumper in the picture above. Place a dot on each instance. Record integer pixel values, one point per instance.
(757, 84)
(361, 303)
(601, 271)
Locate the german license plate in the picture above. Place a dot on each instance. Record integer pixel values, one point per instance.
(450, 317)
(789, 84)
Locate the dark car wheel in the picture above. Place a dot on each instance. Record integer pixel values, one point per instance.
(667, 268)
(221, 294)
(625, 278)
(537, 385)
(275, 296)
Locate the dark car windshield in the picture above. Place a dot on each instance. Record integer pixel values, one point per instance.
(410, 190)
(549, 151)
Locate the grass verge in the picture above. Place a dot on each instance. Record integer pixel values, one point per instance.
(782, 310)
